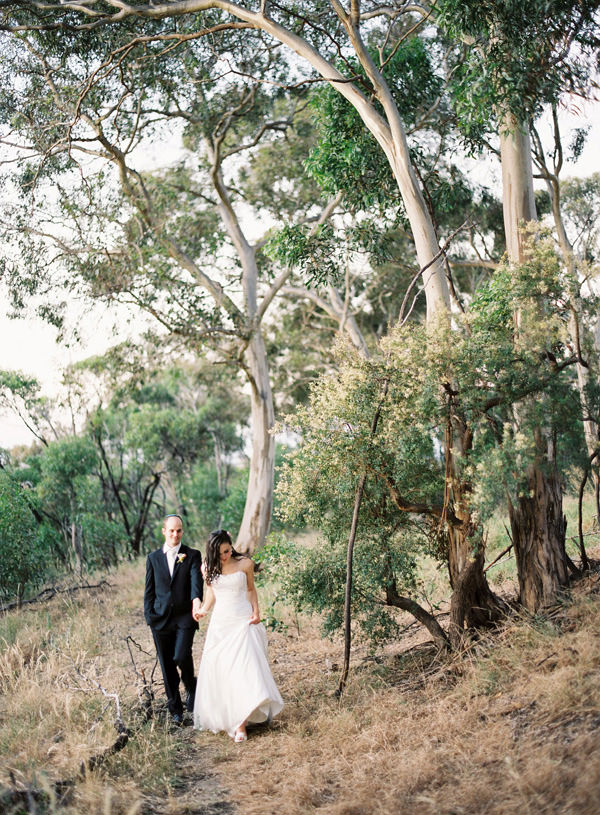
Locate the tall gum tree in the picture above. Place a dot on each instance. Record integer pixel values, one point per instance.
(386, 126)
(518, 58)
(537, 521)
(156, 264)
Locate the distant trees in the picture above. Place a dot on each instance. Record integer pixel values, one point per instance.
(145, 446)
(23, 553)
(156, 433)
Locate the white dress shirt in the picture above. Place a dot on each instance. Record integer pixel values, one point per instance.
(171, 553)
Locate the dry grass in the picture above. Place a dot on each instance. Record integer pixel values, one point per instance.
(53, 717)
(511, 726)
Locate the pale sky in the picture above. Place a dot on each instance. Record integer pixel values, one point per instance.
(29, 345)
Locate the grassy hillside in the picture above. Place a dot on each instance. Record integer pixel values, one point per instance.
(510, 726)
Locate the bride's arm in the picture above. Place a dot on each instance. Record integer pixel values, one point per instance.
(248, 567)
(209, 601)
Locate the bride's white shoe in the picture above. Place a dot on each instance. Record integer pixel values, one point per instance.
(240, 735)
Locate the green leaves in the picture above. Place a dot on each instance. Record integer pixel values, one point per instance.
(517, 56)
(314, 252)
(311, 579)
(23, 557)
(461, 385)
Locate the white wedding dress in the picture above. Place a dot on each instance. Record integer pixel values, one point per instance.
(235, 683)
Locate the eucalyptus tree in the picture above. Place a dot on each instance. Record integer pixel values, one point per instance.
(323, 35)
(519, 57)
(172, 241)
(347, 160)
(408, 508)
(549, 164)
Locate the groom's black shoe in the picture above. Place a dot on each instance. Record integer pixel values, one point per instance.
(177, 718)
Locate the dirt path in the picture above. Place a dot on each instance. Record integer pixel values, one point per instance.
(193, 788)
(197, 790)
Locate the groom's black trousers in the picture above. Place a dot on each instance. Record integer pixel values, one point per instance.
(174, 649)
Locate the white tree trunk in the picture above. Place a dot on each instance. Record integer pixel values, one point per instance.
(259, 498)
(518, 200)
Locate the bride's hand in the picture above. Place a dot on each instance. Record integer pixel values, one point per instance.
(254, 619)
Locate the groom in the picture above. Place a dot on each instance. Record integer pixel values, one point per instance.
(172, 594)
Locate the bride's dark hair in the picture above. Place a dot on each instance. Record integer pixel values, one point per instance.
(213, 553)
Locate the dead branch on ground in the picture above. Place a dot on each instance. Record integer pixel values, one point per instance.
(123, 732)
(145, 689)
(52, 591)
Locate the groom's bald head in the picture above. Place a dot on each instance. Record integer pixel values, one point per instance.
(172, 529)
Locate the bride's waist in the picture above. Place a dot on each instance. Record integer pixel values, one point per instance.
(232, 607)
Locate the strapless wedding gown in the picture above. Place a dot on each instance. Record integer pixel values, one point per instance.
(235, 683)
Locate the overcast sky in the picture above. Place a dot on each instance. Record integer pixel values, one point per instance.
(30, 345)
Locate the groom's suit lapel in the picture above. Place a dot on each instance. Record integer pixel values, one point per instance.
(162, 563)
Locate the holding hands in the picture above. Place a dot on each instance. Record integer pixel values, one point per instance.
(201, 610)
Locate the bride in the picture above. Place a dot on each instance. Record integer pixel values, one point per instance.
(235, 684)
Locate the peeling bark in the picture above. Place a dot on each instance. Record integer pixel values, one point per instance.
(538, 528)
(473, 604)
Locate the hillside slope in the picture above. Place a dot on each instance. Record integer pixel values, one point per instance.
(510, 726)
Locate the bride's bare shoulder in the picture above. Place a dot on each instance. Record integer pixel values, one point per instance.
(246, 563)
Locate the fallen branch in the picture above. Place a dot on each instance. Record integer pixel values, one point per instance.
(52, 591)
(26, 796)
(30, 799)
(145, 690)
(123, 732)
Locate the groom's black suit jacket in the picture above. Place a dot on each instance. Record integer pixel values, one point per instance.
(168, 600)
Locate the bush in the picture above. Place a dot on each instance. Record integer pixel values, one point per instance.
(24, 557)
